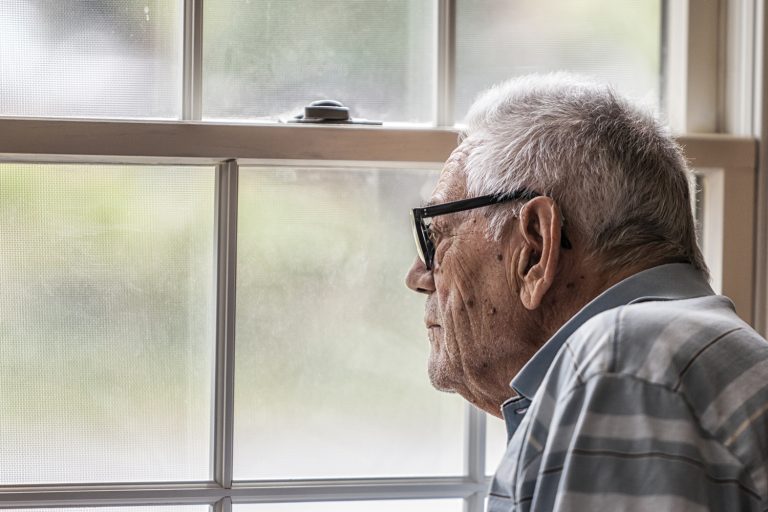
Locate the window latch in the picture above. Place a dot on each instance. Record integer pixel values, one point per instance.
(328, 112)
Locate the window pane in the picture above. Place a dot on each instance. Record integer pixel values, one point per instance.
(106, 287)
(495, 443)
(269, 58)
(82, 58)
(618, 41)
(185, 508)
(331, 349)
(357, 506)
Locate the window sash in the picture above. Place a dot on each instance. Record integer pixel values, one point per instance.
(725, 158)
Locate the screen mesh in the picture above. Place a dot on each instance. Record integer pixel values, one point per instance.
(331, 376)
(106, 323)
(86, 58)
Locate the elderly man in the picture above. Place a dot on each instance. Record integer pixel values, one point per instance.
(565, 292)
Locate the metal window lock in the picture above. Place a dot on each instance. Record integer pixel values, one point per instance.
(328, 112)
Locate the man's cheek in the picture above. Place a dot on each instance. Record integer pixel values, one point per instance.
(458, 333)
(451, 334)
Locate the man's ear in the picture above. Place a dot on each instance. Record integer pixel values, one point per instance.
(540, 229)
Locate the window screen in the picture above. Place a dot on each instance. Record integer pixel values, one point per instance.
(331, 351)
(107, 323)
(86, 58)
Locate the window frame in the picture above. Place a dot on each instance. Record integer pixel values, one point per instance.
(727, 163)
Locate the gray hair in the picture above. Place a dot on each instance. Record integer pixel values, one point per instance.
(619, 178)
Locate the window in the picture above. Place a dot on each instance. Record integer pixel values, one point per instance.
(202, 305)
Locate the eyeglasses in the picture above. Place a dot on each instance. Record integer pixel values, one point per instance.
(423, 236)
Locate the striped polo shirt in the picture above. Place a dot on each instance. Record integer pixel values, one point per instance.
(654, 397)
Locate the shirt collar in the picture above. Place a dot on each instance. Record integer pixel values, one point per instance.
(665, 282)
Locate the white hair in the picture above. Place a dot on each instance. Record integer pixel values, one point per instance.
(619, 178)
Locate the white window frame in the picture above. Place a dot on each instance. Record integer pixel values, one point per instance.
(727, 162)
(714, 92)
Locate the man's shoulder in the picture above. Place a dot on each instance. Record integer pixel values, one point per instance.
(666, 342)
(679, 343)
(695, 353)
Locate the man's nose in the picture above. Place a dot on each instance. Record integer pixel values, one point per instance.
(419, 279)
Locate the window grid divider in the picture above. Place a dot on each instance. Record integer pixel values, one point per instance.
(223, 505)
(192, 75)
(208, 493)
(226, 266)
(474, 450)
(446, 49)
(476, 502)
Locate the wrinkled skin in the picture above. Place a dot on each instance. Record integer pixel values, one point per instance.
(490, 305)
(476, 329)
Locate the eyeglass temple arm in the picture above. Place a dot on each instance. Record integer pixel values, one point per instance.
(468, 204)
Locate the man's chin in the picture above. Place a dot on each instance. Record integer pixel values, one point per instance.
(440, 379)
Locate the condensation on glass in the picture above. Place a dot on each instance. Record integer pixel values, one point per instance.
(95, 59)
(444, 505)
(331, 350)
(615, 41)
(106, 323)
(269, 58)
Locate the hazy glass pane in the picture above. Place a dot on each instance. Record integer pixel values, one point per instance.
(495, 443)
(106, 328)
(185, 508)
(617, 41)
(331, 348)
(86, 58)
(357, 506)
(269, 58)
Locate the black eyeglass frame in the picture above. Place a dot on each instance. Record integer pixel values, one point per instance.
(424, 245)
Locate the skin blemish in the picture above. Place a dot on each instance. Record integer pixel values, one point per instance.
(493, 311)
(499, 257)
(570, 285)
(470, 303)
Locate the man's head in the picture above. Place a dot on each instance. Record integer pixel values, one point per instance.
(609, 178)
